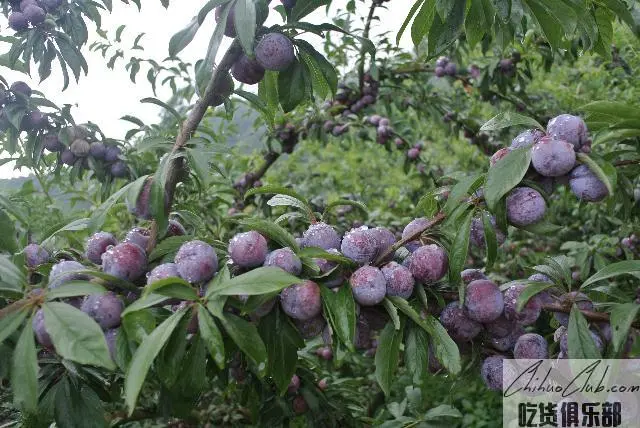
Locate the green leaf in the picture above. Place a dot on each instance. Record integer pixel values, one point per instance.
(617, 110)
(245, 23)
(621, 318)
(416, 353)
(581, 344)
(531, 289)
(144, 356)
(76, 336)
(99, 215)
(211, 336)
(542, 228)
(282, 342)
(508, 119)
(75, 225)
(462, 189)
(615, 269)
(343, 202)
(476, 24)
(427, 206)
(139, 324)
(490, 239)
(77, 406)
(8, 241)
(608, 177)
(444, 32)
(172, 287)
(422, 23)
(246, 336)
(404, 25)
(277, 190)
(24, 373)
(387, 356)
(11, 278)
(458, 254)
(340, 310)
(323, 72)
(319, 253)
(11, 322)
(393, 313)
(174, 112)
(75, 288)
(304, 8)
(258, 281)
(272, 231)
(168, 246)
(292, 86)
(505, 175)
(442, 411)
(182, 38)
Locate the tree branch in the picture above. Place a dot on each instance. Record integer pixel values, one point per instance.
(365, 34)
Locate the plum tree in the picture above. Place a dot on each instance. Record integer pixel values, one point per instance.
(483, 301)
(368, 285)
(275, 52)
(301, 301)
(459, 326)
(360, 245)
(35, 255)
(586, 185)
(552, 157)
(399, 280)
(196, 261)
(285, 259)
(530, 311)
(525, 206)
(105, 309)
(569, 128)
(321, 235)
(97, 245)
(530, 346)
(125, 261)
(429, 263)
(248, 249)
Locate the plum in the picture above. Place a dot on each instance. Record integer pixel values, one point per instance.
(385, 239)
(483, 301)
(97, 245)
(526, 138)
(529, 313)
(362, 337)
(34, 14)
(507, 342)
(499, 327)
(507, 67)
(20, 87)
(196, 261)
(460, 327)
(175, 228)
(439, 71)
(327, 266)
(525, 206)
(553, 158)
(491, 372)
(223, 89)
(34, 120)
(111, 336)
(415, 226)
(413, 153)
(61, 272)
(530, 346)
(429, 263)
(299, 405)
(40, 331)
(360, 245)
(301, 301)
(18, 21)
(285, 259)
(230, 26)
(163, 271)
(247, 70)
(368, 285)
(469, 275)
(400, 282)
(575, 297)
(310, 328)
(139, 236)
(97, 150)
(586, 185)
(275, 52)
(248, 249)
(111, 153)
(451, 69)
(142, 208)
(476, 233)
(125, 261)
(105, 309)
(52, 143)
(294, 384)
(35, 255)
(321, 235)
(569, 128)
(499, 155)
(119, 169)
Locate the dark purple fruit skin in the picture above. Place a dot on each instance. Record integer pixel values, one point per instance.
(553, 158)
(35, 255)
(67, 157)
(476, 234)
(526, 138)
(142, 206)
(111, 153)
(285, 259)
(125, 261)
(586, 185)
(385, 239)
(469, 275)
(97, 150)
(507, 342)
(288, 4)
(569, 128)
(300, 405)
(33, 120)
(223, 90)
(139, 236)
(111, 336)
(275, 52)
(25, 3)
(525, 206)
(163, 271)
(321, 235)
(97, 245)
(450, 69)
(483, 301)
(196, 261)
(360, 245)
(400, 282)
(119, 169)
(530, 346)
(492, 372)
(18, 21)
(579, 299)
(105, 309)
(247, 70)
(429, 263)
(458, 324)
(34, 14)
(301, 301)
(42, 336)
(80, 148)
(21, 88)
(52, 143)
(175, 228)
(310, 328)
(368, 286)
(248, 249)
(60, 273)
(500, 327)
(414, 227)
(230, 27)
(530, 312)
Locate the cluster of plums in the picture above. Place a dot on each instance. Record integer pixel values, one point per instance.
(445, 67)
(31, 12)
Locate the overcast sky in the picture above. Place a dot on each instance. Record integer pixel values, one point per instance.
(103, 96)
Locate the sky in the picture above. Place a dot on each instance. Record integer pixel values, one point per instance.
(104, 96)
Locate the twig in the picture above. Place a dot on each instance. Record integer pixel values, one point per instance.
(627, 162)
(365, 35)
